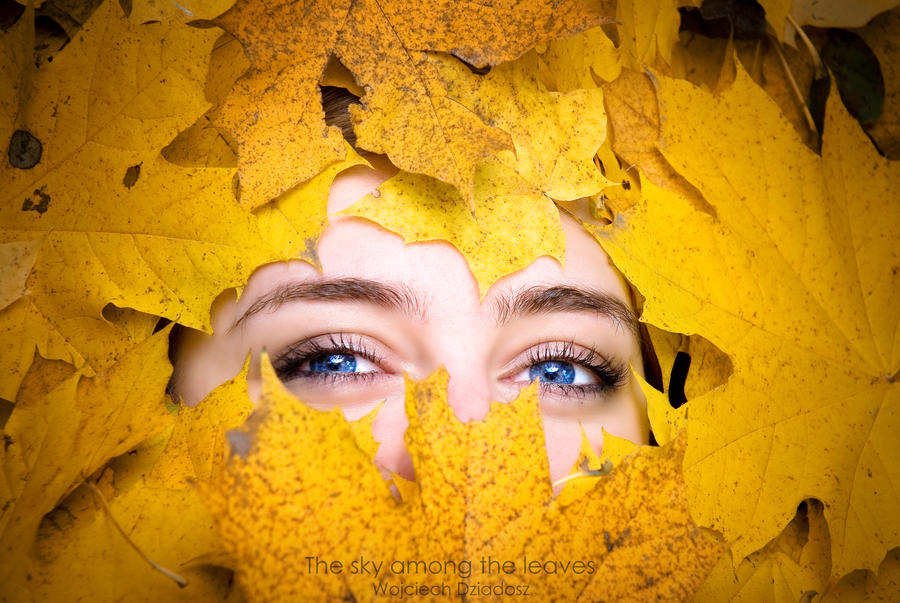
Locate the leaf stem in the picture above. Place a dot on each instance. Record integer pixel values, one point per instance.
(181, 582)
(585, 472)
(817, 60)
(796, 88)
(572, 476)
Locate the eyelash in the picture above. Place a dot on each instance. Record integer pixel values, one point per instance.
(612, 376)
(287, 364)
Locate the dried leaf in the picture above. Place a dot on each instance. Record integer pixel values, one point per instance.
(18, 258)
(54, 441)
(881, 35)
(285, 141)
(792, 567)
(647, 31)
(792, 230)
(483, 493)
(555, 135)
(419, 208)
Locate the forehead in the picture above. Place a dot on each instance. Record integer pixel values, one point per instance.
(435, 271)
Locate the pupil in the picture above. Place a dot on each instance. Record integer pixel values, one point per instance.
(552, 371)
(333, 363)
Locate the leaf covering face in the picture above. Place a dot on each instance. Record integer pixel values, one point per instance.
(381, 308)
(483, 492)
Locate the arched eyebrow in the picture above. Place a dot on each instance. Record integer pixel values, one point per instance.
(391, 296)
(563, 298)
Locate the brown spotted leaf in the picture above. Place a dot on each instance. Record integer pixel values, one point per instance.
(405, 113)
(794, 276)
(299, 502)
(54, 440)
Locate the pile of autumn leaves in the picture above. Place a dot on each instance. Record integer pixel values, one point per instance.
(781, 264)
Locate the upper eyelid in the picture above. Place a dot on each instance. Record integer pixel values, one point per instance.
(548, 350)
(564, 349)
(349, 345)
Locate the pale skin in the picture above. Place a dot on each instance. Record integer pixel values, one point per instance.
(381, 308)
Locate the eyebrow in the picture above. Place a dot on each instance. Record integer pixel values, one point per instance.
(562, 298)
(395, 297)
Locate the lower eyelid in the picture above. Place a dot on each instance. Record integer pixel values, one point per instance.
(562, 400)
(580, 390)
(341, 378)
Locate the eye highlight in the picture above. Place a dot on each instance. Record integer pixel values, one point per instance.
(553, 371)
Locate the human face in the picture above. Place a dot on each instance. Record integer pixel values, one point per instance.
(381, 308)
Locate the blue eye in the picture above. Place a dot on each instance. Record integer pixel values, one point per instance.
(552, 371)
(328, 359)
(333, 363)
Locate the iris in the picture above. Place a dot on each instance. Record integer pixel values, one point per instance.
(552, 371)
(333, 363)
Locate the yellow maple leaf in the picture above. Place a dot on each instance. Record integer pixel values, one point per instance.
(419, 208)
(55, 440)
(792, 566)
(555, 135)
(195, 450)
(16, 56)
(634, 132)
(284, 140)
(795, 278)
(18, 259)
(202, 144)
(81, 553)
(144, 84)
(292, 222)
(406, 113)
(882, 585)
(129, 247)
(301, 507)
(577, 62)
(78, 549)
(118, 237)
(647, 30)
